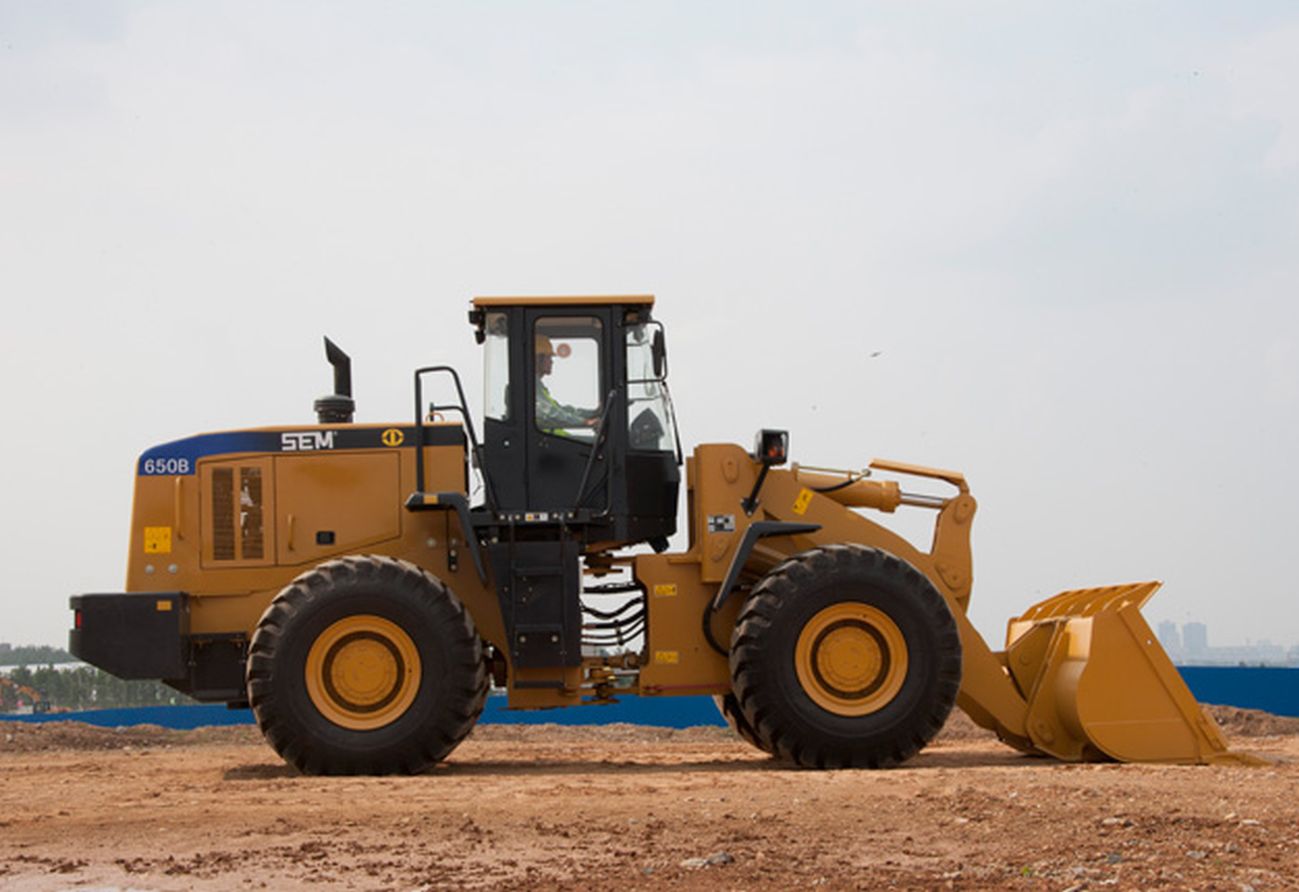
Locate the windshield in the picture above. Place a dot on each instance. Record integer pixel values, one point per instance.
(650, 422)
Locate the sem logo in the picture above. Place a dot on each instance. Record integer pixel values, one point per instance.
(392, 437)
(306, 441)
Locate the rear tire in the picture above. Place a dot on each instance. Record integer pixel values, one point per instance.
(366, 665)
(845, 656)
(729, 707)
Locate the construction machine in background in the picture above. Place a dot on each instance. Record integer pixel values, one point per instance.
(351, 584)
(20, 698)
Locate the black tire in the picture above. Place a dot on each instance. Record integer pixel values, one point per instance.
(445, 688)
(729, 707)
(788, 605)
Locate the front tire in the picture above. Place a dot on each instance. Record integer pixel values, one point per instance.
(366, 665)
(845, 656)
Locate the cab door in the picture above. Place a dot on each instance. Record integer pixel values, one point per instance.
(568, 378)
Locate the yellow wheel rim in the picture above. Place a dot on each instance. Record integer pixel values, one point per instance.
(851, 659)
(363, 672)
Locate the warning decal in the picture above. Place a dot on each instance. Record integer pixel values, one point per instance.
(804, 499)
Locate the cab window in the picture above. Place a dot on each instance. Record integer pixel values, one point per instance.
(496, 376)
(650, 422)
(566, 365)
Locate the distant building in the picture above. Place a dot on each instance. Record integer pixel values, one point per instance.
(1195, 639)
(1170, 638)
(1192, 648)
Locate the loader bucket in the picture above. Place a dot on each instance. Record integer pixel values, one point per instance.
(1099, 685)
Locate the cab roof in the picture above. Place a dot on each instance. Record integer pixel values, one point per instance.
(568, 300)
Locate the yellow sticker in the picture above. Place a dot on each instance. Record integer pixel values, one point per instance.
(804, 499)
(665, 590)
(163, 606)
(392, 437)
(157, 540)
(671, 657)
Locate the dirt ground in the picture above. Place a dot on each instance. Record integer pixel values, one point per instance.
(620, 807)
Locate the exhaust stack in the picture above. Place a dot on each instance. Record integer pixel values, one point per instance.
(338, 407)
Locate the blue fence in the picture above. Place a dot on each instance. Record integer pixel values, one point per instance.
(1275, 690)
(179, 717)
(663, 712)
(1272, 689)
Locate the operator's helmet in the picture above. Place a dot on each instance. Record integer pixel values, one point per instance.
(544, 347)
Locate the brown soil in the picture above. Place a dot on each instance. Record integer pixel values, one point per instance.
(621, 807)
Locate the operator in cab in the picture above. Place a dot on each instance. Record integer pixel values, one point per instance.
(552, 415)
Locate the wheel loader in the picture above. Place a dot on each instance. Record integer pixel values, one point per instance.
(361, 586)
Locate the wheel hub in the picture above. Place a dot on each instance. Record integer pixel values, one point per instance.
(851, 659)
(362, 672)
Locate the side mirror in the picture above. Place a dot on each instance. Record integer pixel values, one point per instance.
(478, 318)
(659, 350)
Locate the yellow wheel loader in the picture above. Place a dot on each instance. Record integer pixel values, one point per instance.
(360, 585)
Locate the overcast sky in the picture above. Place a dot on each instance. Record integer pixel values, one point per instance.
(1070, 232)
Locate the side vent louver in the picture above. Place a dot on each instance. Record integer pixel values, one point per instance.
(223, 514)
(237, 509)
(250, 515)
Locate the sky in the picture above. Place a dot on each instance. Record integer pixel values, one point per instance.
(1054, 246)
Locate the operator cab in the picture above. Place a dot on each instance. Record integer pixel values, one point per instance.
(578, 422)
